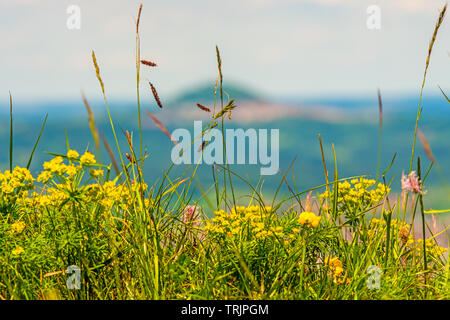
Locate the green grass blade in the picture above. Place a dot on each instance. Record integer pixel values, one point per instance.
(10, 133)
(37, 141)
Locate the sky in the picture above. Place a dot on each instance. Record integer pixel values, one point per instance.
(304, 48)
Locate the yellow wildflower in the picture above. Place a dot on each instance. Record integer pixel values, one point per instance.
(18, 250)
(309, 219)
(87, 159)
(335, 266)
(17, 227)
(45, 176)
(71, 170)
(72, 154)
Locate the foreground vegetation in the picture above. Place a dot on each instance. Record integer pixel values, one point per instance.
(349, 238)
(130, 246)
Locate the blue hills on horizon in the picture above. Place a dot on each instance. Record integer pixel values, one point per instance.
(355, 142)
(435, 104)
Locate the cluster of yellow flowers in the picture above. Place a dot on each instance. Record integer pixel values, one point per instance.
(87, 159)
(336, 270)
(357, 192)
(109, 194)
(17, 251)
(64, 186)
(258, 222)
(54, 197)
(72, 154)
(19, 179)
(309, 219)
(432, 248)
(252, 220)
(57, 167)
(402, 229)
(17, 227)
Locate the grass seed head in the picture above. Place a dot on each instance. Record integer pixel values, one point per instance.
(202, 107)
(148, 63)
(155, 95)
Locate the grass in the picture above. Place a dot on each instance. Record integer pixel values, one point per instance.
(349, 238)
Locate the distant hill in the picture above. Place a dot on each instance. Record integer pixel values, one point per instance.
(323, 107)
(205, 93)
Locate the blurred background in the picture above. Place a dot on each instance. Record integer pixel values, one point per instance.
(304, 67)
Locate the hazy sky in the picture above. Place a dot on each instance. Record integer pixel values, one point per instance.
(279, 47)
